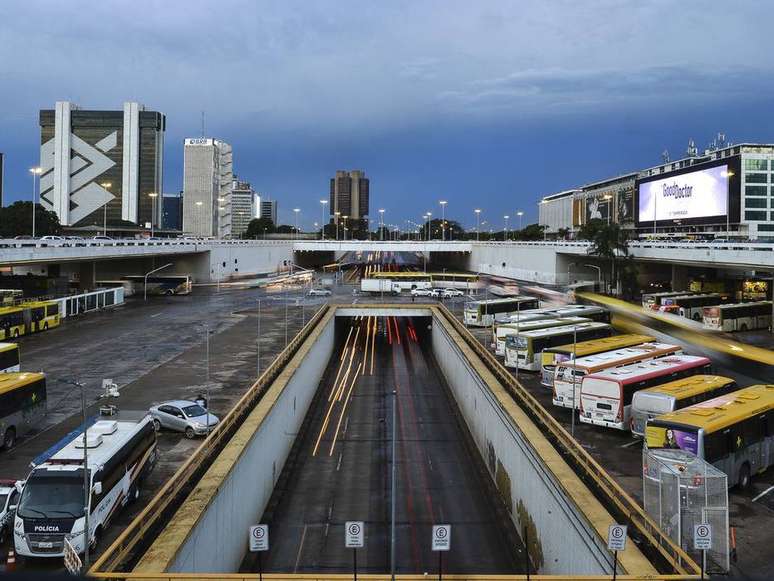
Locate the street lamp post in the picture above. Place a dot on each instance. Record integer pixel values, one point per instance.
(295, 212)
(443, 219)
(153, 196)
(35, 171)
(478, 223)
(200, 206)
(608, 198)
(505, 233)
(381, 224)
(520, 214)
(336, 216)
(145, 282)
(322, 232)
(429, 216)
(107, 186)
(345, 227)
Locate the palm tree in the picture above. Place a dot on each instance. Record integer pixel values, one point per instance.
(609, 243)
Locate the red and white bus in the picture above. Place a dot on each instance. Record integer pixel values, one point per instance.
(606, 397)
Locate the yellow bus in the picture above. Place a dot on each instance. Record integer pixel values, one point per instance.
(28, 318)
(561, 353)
(733, 432)
(22, 404)
(9, 357)
(674, 395)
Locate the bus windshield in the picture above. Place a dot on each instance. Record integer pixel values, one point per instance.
(58, 496)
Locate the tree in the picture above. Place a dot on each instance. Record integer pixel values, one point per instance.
(563, 234)
(16, 220)
(589, 230)
(609, 244)
(531, 232)
(257, 227)
(286, 229)
(454, 230)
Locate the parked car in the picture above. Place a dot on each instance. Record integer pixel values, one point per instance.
(449, 293)
(319, 292)
(421, 292)
(183, 416)
(23, 237)
(10, 490)
(101, 237)
(437, 293)
(53, 238)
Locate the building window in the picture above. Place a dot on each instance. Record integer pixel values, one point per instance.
(755, 190)
(755, 216)
(766, 227)
(755, 203)
(755, 178)
(756, 164)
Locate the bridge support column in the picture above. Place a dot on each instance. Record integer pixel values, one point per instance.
(680, 277)
(87, 279)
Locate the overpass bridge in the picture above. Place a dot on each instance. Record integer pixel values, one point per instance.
(543, 482)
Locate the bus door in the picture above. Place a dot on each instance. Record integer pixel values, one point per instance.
(767, 442)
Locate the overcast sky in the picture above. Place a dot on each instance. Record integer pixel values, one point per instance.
(485, 104)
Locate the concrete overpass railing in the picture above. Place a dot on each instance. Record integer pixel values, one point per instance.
(381, 245)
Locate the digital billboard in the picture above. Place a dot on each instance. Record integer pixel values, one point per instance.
(698, 194)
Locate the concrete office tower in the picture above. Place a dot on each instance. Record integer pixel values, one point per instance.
(242, 211)
(349, 194)
(265, 208)
(207, 182)
(99, 166)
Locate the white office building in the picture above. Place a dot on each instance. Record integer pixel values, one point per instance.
(207, 187)
(265, 208)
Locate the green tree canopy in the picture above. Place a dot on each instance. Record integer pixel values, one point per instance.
(257, 226)
(16, 220)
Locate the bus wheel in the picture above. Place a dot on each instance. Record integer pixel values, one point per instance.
(744, 477)
(97, 536)
(743, 327)
(45, 326)
(696, 317)
(9, 439)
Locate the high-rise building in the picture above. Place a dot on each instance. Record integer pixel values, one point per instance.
(2, 168)
(100, 166)
(265, 208)
(207, 182)
(242, 198)
(172, 211)
(349, 194)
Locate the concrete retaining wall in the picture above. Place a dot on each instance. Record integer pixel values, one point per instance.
(218, 541)
(561, 539)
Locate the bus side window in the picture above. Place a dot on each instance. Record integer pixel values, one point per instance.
(751, 431)
(52, 310)
(714, 447)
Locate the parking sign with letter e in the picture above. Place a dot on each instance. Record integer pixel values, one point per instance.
(259, 538)
(441, 537)
(354, 533)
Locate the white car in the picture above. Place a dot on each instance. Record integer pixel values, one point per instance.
(449, 293)
(52, 238)
(10, 491)
(319, 292)
(183, 416)
(421, 292)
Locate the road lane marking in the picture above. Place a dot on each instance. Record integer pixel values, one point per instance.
(344, 410)
(338, 464)
(300, 548)
(764, 493)
(630, 444)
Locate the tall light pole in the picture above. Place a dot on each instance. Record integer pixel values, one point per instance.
(336, 216)
(429, 232)
(295, 212)
(478, 223)
(381, 224)
(727, 174)
(607, 198)
(152, 196)
(107, 186)
(519, 214)
(443, 219)
(200, 205)
(323, 203)
(35, 171)
(345, 227)
(505, 233)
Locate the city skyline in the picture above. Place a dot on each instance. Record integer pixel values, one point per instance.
(492, 108)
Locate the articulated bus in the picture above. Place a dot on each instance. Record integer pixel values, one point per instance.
(652, 301)
(9, 357)
(733, 432)
(460, 280)
(22, 404)
(606, 397)
(51, 506)
(161, 285)
(691, 306)
(500, 333)
(675, 395)
(551, 356)
(482, 313)
(27, 318)
(591, 312)
(738, 317)
(569, 375)
(523, 350)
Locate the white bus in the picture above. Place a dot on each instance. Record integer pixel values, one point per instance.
(591, 312)
(652, 301)
(738, 317)
(691, 306)
(524, 350)
(120, 455)
(675, 395)
(502, 332)
(9, 357)
(482, 313)
(569, 375)
(606, 397)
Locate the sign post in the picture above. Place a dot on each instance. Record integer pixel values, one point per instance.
(702, 541)
(72, 561)
(259, 542)
(616, 541)
(354, 533)
(441, 543)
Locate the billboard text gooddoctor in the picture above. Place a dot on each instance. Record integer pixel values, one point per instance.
(699, 194)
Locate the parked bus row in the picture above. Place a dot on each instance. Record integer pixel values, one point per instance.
(714, 310)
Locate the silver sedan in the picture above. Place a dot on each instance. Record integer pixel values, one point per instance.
(183, 416)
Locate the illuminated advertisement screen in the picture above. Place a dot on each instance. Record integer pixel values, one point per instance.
(698, 194)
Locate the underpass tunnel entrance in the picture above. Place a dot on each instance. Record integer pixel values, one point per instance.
(341, 464)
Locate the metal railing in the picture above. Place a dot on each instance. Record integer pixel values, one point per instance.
(167, 500)
(589, 470)
(372, 577)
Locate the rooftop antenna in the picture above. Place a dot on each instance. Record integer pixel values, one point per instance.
(665, 156)
(692, 150)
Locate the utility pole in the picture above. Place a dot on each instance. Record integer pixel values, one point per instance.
(393, 484)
